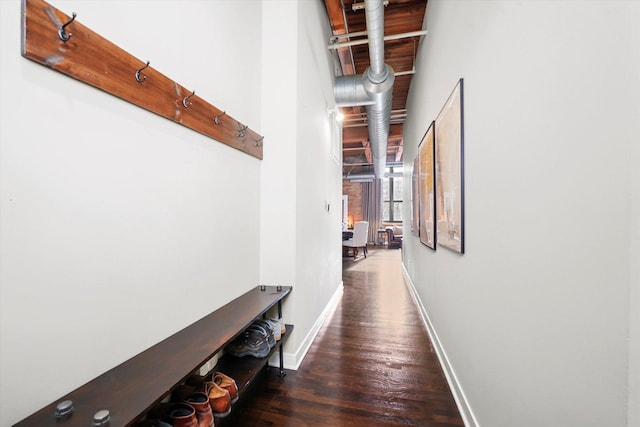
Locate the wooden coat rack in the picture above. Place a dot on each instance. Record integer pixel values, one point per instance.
(58, 41)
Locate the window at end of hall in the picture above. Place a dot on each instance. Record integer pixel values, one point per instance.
(392, 195)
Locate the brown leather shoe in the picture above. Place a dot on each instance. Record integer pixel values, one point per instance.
(228, 384)
(219, 399)
(183, 415)
(200, 402)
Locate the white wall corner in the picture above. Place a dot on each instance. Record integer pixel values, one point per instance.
(466, 412)
(292, 360)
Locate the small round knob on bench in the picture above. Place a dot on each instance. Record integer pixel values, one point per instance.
(101, 418)
(64, 408)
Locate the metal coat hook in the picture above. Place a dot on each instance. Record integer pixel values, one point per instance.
(138, 78)
(217, 118)
(259, 141)
(186, 102)
(242, 130)
(62, 32)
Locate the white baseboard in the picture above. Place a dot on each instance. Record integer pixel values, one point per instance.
(466, 412)
(292, 360)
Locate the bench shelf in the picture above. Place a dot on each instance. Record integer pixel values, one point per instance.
(130, 389)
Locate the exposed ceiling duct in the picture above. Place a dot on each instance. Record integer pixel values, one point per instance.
(373, 88)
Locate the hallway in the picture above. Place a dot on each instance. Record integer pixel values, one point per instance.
(371, 364)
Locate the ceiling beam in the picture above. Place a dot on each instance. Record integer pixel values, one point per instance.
(357, 134)
(339, 26)
(336, 16)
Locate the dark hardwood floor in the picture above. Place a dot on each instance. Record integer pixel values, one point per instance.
(371, 364)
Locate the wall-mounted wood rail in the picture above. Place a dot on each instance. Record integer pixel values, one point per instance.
(60, 42)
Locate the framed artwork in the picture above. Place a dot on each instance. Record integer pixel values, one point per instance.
(426, 184)
(415, 197)
(450, 172)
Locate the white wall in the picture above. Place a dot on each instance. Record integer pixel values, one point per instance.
(535, 317)
(319, 175)
(634, 251)
(300, 240)
(118, 227)
(278, 217)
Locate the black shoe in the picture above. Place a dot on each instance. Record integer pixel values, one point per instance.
(249, 343)
(268, 328)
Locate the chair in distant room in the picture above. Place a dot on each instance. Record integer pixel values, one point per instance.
(359, 239)
(394, 238)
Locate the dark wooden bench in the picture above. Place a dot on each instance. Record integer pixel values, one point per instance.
(132, 388)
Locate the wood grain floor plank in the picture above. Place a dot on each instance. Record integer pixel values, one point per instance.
(371, 364)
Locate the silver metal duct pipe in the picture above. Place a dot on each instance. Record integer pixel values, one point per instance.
(374, 15)
(378, 119)
(373, 89)
(349, 92)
